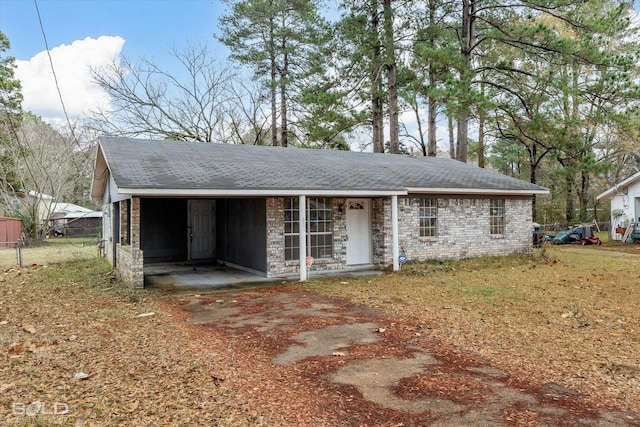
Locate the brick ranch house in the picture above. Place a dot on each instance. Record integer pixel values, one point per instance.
(247, 206)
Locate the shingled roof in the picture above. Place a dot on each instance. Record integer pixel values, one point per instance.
(160, 167)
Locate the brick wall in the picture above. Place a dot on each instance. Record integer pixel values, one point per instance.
(462, 232)
(129, 258)
(462, 229)
(276, 264)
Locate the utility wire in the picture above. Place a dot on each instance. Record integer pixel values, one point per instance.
(55, 79)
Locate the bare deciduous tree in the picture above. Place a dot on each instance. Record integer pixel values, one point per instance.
(193, 104)
(50, 168)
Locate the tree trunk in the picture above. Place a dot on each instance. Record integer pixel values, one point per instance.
(481, 120)
(532, 177)
(569, 198)
(432, 103)
(416, 110)
(377, 114)
(273, 90)
(432, 117)
(392, 78)
(466, 48)
(284, 132)
(584, 196)
(452, 145)
(463, 136)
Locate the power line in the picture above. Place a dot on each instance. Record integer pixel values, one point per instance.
(55, 79)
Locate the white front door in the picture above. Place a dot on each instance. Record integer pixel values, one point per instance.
(201, 229)
(358, 232)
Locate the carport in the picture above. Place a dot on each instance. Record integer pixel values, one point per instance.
(204, 231)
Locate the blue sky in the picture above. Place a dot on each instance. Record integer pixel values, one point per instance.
(149, 27)
(84, 34)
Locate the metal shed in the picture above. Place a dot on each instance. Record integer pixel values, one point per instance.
(10, 232)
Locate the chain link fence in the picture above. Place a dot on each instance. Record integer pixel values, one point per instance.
(49, 251)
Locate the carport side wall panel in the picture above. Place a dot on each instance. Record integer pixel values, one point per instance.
(462, 229)
(276, 264)
(245, 230)
(163, 230)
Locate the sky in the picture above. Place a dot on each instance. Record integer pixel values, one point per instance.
(90, 33)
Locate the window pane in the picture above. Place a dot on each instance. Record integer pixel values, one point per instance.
(496, 216)
(319, 227)
(428, 217)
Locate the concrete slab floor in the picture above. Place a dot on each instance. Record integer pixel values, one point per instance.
(201, 277)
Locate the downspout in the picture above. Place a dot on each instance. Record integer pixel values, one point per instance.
(394, 233)
(302, 221)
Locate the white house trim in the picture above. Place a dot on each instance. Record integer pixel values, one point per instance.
(302, 219)
(616, 188)
(395, 251)
(256, 193)
(471, 191)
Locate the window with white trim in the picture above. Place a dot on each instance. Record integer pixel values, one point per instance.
(428, 217)
(496, 216)
(319, 228)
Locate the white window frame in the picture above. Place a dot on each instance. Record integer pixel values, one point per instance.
(428, 216)
(496, 217)
(319, 228)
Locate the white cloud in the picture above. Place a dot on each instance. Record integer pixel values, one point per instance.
(72, 64)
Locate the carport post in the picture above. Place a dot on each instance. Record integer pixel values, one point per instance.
(302, 219)
(394, 232)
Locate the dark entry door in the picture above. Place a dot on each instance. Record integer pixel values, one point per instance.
(202, 229)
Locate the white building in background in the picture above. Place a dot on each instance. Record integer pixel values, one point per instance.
(625, 204)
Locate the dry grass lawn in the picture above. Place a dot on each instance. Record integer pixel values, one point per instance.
(71, 338)
(49, 251)
(570, 316)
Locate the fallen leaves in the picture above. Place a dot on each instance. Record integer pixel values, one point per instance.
(65, 337)
(554, 322)
(29, 328)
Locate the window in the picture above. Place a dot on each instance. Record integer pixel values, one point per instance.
(291, 229)
(319, 228)
(428, 216)
(496, 216)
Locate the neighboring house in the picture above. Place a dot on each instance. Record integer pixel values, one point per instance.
(247, 206)
(69, 219)
(625, 204)
(41, 203)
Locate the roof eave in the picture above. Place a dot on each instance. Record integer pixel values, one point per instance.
(169, 192)
(477, 191)
(100, 173)
(176, 192)
(614, 190)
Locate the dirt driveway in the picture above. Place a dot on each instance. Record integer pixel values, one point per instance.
(306, 359)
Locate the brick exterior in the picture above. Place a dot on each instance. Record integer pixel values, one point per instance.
(276, 264)
(462, 231)
(129, 259)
